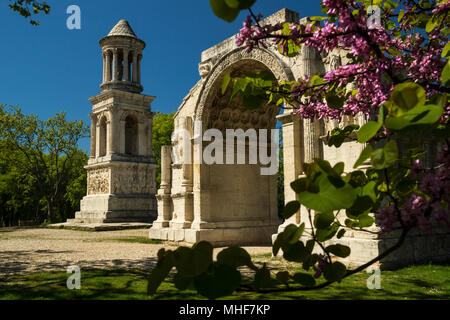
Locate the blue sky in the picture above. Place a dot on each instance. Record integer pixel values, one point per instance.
(48, 69)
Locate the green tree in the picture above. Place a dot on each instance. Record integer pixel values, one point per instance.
(27, 8)
(19, 196)
(161, 136)
(49, 150)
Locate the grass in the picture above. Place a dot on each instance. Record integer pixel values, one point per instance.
(415, 282)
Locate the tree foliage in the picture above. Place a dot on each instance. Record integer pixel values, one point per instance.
(28, 8)
(163, 127)
(48, 154)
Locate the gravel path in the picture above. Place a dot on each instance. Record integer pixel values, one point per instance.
(27, 250)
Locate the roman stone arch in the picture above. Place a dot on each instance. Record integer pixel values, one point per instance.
(259, 59)
(223, 203)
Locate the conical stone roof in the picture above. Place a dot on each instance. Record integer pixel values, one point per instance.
(122, 28)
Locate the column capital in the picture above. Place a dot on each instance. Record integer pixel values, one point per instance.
(287, 118)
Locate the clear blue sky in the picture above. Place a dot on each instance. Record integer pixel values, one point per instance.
(48, 69)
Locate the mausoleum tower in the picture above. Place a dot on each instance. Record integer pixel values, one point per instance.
(121, 169)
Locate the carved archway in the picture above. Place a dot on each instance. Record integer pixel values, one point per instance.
(232, 61)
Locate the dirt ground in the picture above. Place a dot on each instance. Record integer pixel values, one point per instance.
(26, 250)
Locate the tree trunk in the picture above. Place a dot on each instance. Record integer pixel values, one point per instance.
(49, 211)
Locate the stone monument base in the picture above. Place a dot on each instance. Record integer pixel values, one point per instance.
(418, 248)
(116, 208)
(218, 237)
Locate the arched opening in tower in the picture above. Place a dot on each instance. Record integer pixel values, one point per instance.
(103, 133)
(131, 135)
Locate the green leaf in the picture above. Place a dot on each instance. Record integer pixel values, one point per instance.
(161, 271)
(224, 12)
(234, 256)
(240, 4)
(310, 245)
(446, 51)
(191, 262)
(329, 197)
(317, 18)
(239, 85)
(304, 279)
(420, 115)
(262, 278)
(225, 82)
(282, 277)
(326, 234)
(406, 96)
(386, 156)
(357, 178)
(299, 185)
(440, 99)
(431, 24)
(334, 271)
(339, 250)
(339, 167)
(181, 282)
(334, 101)
(323, 220)
(368, 131)
(295, 252)
(290, 235)
(360, 206)
(220, 282)
(290, 209)
(365, 221)
(340, 234)
(251, 101)
(365, 154)
(445, 76)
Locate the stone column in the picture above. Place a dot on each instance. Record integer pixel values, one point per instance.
(108, 66)
(313, 148)
(142, 145)
(93, 134)
(186, 124)
(115, 64)
(113, 131)
(312, 144)
(122, 136)
(126, 71)
(135, 67)
(104, 67)
(139, 69)
(166, 152)
(97, 140)
(149, 135)
(163, 196)
(109, 135)
(292, 127)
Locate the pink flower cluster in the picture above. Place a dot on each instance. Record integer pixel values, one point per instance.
(252, 36)
(428, 204)
(381, 57)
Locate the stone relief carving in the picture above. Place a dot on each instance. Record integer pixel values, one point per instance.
(204, 68)
(98, 181)
(132, 180)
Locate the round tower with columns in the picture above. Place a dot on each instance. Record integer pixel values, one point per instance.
(121, 169)
(122, 55)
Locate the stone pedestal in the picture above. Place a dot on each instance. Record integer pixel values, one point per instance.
(119, 191)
